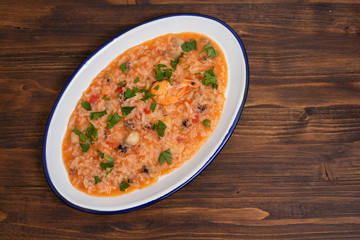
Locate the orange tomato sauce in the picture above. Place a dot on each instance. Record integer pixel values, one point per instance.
(189, 103)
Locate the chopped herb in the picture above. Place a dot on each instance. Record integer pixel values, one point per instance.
(165, 156)
(210, 50)
(108, 172)
(161, 128)
(137, 80)
(168, 73)
(156, 87)
(112, 120)
(103, 165)
(160, 74)
(181, 129)
(84, 147)
(129, 94)
(92, 132)
(97, 179)
(126, 110)
(100, 154)
(136, 90)
(82, 136)
(206, 123)
(153, 106)
(186, 67)
(147, 96)
(171, 82)
(121, 83)
(123, 67)
(123, 186)
(76, 130)
(90, 137)
(197, 73)
(106, 98)
(109, 159)
(86, 105)
(188, 46)
(95, 115)
(153, 126)
(210, 78)
(108, 164)
(176, 62)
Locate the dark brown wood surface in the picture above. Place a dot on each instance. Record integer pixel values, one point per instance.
(291, 169)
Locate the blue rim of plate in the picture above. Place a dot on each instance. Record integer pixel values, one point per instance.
(221, 146)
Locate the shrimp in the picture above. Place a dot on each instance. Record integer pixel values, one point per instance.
(167, 94)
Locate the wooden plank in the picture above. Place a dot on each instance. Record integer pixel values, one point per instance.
(291, 169)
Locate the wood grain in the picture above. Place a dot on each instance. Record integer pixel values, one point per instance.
(291, 169)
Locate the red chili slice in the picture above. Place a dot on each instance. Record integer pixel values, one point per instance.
(93, 99)
(120, 89)
(196, 119)
(110, 144)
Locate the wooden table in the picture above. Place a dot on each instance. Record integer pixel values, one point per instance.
(291, 169)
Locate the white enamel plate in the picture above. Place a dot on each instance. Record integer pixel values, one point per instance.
(238, 82)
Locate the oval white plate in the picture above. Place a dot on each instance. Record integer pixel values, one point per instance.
(236, 92)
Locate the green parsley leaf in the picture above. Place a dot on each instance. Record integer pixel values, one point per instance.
(121, 83)
(153, 106)
(210, 78)
(137, 80)
(197, 73)
(126, 110)
(82, 136)
(123, 67)
(181, 129)
(147, 96)
(136, 90)
(95, 115)
(159, 75)
(168, 73)
(186, 67)
(112, 120)
(76, 130)
(104, 165)
(101, 154)
(156, 87)
(109, 159)
(108, 172)
(129, 94)
(97, 180)
(170, 81)
(123, 186)
(86, 105)
(189, 46)
(90, 137)
(153, 126)
(92, 132)
(176, 62)
(206, 123)
(161, 128)
(210, 50)
(106, 98)
(84, 147)
(165, 156)
(108, 164)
